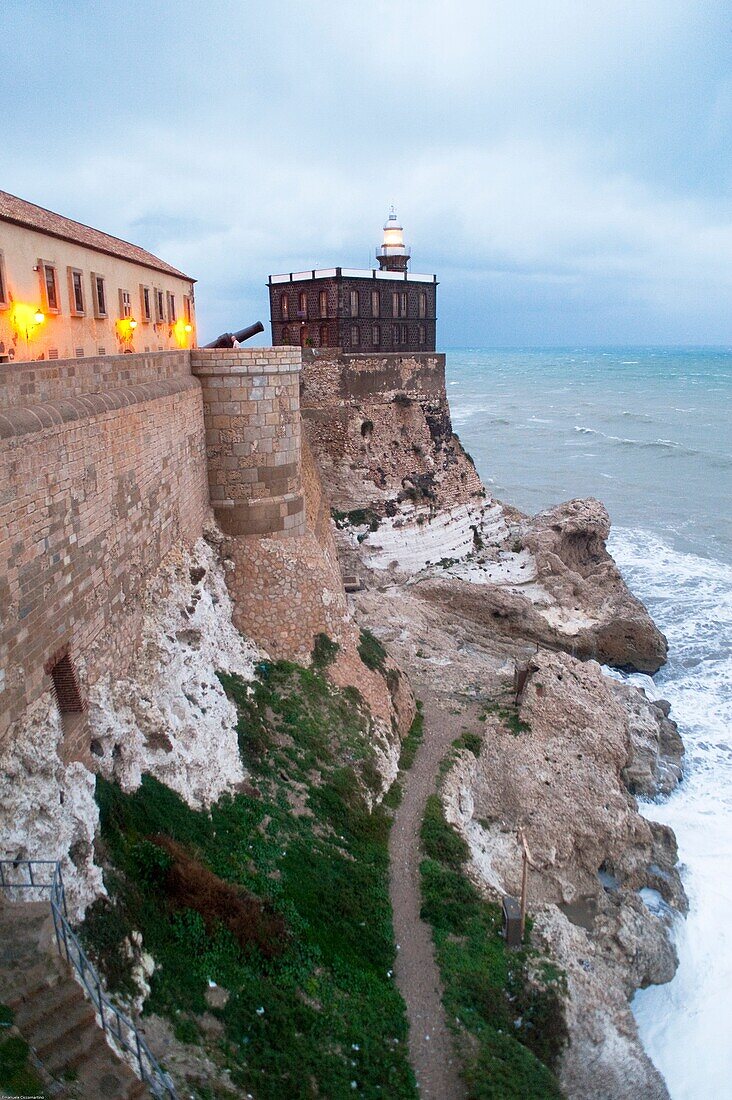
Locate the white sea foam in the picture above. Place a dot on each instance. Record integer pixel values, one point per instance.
(686, 1026)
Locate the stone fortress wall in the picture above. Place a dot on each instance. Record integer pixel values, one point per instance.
(108, 463)
(100, 476)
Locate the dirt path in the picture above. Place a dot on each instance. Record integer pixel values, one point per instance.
(430, 1041)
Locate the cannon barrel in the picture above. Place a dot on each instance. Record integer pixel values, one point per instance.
(226, 340)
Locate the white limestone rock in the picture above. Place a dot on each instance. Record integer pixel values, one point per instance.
(170, 716)
(47, 809)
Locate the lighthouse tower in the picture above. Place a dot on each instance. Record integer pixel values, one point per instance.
(393, 255)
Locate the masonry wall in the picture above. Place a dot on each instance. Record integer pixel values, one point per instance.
(251, 406)
(95, 488)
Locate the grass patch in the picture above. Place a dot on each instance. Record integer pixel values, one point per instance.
(409, 747)
(508, 714)
(505, 1006)
(311, 1006)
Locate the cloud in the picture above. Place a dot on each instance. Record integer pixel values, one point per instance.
(561, 166)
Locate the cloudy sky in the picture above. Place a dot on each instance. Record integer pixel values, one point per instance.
(564, 166)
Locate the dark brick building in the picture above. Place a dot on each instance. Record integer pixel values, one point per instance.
(389, 309)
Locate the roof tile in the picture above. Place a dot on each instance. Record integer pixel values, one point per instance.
(17, 210)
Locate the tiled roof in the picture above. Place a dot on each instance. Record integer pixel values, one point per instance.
(13, 209)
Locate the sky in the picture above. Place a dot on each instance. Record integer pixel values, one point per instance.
(565, 167)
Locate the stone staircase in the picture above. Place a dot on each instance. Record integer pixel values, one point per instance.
(53, 1015)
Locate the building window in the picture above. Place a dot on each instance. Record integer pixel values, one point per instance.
(159, 305)
(324, 336)
(395, 334)
(375, 335)
(49, 287)
(302, 304)
(421, 334)
(355, 340)
(354, 303)
(99, 295)
(187, 309)
(395, 303)
(403, 304)
(145, 303)
(125, 304)
(171, 309)
(76, 292)
(3, 284)
(323, 303)
(285, 335)
(405, 335)
(422, 304)
(375, 303)
(285, 307)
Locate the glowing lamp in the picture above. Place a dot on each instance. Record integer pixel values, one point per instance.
(39, 317)
(133, 323)
(181, 331)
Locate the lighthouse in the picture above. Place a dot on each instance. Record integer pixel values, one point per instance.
(393, 255)
(385, 310)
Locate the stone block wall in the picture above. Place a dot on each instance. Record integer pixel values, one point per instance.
(30, 383)
(95, 488)
(251, 408)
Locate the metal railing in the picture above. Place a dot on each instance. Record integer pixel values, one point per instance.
(28, 874)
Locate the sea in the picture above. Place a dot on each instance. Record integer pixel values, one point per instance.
(648, 431)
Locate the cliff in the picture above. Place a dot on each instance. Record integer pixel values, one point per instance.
(462, 589)
(244, 717)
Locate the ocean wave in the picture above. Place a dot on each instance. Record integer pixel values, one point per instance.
(624, 441)
(690, 597)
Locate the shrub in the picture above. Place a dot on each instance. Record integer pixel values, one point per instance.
(324, 652)
(372, 652)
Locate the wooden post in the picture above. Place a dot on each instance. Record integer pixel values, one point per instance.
(526, 860)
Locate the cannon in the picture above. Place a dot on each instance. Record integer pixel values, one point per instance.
(226, 340)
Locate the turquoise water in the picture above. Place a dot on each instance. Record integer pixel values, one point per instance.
(647, 431)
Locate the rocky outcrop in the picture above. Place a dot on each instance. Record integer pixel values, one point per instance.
(547, 580)
(605, 879)
(569, 546)
(169, 716)
(47, 808)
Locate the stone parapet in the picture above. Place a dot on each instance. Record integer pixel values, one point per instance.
(58, 380)
(251, 408)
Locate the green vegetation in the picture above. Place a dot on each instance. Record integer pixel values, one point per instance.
(357, 517)
(505, 1006)
(473, 742)
(372, 652)
(409, 747)
(508, 714)
(17, 1077)
(324, 652)
(279, 895)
